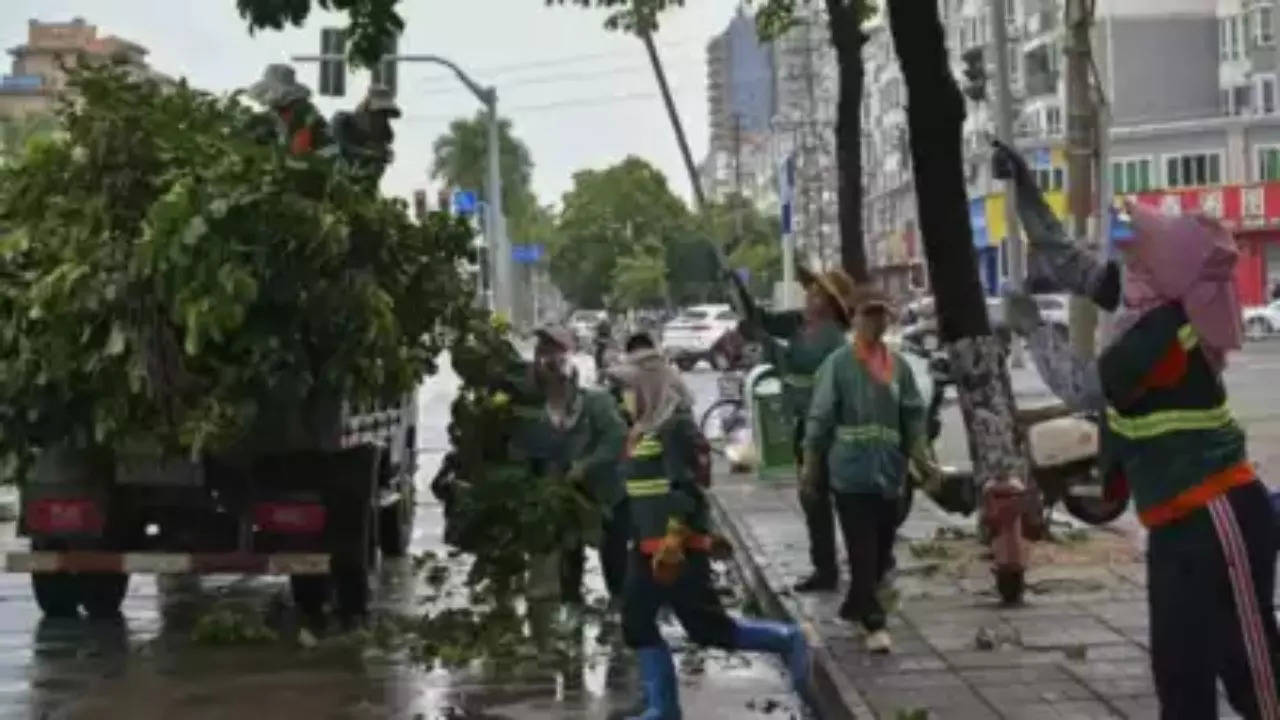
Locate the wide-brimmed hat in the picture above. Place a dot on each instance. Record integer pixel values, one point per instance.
(836, 284)
(380, 99)
(867, 297)
(279, 86)
(559, 335)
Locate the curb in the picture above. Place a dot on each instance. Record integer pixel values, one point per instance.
(834, 697)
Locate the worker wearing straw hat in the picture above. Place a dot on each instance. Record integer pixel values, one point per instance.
(300, 126)
(866, 421)
(799, 340)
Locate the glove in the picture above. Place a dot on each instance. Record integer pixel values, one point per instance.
(1021, 312)
(925, 470)
(668, 561)
(577, 474)
(809, 469)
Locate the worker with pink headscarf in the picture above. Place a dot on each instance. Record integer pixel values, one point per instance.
(1212, 542)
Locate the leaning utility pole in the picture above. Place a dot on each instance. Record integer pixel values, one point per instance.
(1081, 136)
(1004, 129)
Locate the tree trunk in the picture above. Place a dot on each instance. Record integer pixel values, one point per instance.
(935, 114)
(848, 38)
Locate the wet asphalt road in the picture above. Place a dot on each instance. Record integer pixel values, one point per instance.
(148, 667)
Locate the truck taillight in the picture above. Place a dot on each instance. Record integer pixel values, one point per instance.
(63, 516)
(289, 518)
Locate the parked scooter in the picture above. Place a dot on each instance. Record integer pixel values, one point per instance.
(1063, 450)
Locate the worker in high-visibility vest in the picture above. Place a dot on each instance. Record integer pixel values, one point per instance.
(797, 343)
(866, 423)
(672, 541)
(299, 125)
(1211, 544)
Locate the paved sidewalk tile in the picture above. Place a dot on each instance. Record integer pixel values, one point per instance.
(1076, 650)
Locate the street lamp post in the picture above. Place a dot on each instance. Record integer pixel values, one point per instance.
(495, 223)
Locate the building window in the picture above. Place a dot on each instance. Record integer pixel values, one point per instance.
(1223, 40)
(1263, 26)
(1192, 170)
(1268, 164)
(1131, 175)
(1049, 179)
(1234, 28)
(1241, 100)
(1266, 94)
(1053, 120)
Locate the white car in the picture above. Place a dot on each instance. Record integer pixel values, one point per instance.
(583, 324)
(1262, 321)
(693, 334)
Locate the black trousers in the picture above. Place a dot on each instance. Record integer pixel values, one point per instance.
(613, 557)
(1210, 579)
(691, 597)
(869, 524)
(818, 517)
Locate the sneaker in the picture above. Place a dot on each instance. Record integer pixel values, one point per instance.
(879, 642)
(816, 583)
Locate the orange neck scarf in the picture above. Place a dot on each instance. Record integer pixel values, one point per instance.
(876, 357)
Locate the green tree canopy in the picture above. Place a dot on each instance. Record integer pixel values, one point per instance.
(606, 215)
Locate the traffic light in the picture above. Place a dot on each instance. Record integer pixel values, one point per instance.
(384, 72)
(975, 74)
(333, 73)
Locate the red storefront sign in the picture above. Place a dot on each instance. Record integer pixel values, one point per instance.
(1252, 212)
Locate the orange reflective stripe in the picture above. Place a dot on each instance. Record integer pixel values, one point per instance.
(1198, 496)
(699, 541)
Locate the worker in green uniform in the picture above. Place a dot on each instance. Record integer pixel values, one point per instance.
(299, 125)
(866, 422)
(798, 341)
(670, 562)
(579, 437)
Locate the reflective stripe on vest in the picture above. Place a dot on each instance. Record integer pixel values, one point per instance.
(1187, 337)
(648, 488)
(799, 381)
(1145, 427)
(646, 448)
(869, 432)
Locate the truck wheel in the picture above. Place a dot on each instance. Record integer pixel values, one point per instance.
(102, 593)
(351, 574)
(395, 525)
(310, 593)
(57, 594)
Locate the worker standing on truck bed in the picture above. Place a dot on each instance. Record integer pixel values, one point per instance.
(579, 437)
(299, 125)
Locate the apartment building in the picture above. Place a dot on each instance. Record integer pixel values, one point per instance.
(740, 99)
(1194, 122)
(38, 74)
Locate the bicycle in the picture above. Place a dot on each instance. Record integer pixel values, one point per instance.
(728, 414)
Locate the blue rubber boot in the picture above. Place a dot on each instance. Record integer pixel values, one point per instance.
(782, 638)
(658, 677)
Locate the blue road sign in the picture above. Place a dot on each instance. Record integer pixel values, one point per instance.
(526, 254)
(464, 202)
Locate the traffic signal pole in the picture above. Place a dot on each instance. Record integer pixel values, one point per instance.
(495, 221)
(1081, 128)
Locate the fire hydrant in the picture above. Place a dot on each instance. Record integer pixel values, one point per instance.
(1003, 505)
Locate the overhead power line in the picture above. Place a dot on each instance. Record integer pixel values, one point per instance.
(590, 101)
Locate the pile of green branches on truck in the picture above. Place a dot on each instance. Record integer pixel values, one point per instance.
(166, 278)
(504, 513)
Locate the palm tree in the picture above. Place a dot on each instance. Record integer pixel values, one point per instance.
(460, 159)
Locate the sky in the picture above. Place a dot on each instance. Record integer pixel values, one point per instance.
(579, 96)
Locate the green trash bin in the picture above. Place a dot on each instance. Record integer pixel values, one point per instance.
(771, 427)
